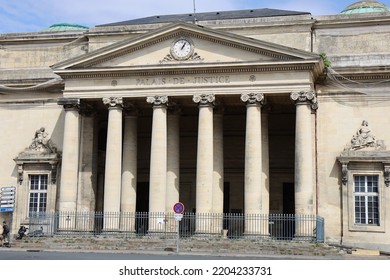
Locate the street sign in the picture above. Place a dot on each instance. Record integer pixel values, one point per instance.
(178, 208)
(3, 201)
(7, 197)
(7, 193)
(8, 188)
(6, 209)
(178, 217)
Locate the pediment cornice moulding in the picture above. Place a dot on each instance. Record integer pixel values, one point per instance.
(223, 42)
(192, 69)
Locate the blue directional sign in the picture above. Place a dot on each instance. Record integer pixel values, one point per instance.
(178, 208)
(6, 209)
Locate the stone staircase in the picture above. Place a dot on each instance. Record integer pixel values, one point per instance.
(215, 246)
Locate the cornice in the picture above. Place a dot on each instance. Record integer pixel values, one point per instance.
(363, 74)
(193, 69)
(344, 21)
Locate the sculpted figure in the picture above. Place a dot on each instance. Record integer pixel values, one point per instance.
(41, 142)
(363, 137)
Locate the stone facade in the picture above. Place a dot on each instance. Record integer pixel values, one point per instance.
(248, 121)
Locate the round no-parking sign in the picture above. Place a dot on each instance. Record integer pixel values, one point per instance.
(178, 208)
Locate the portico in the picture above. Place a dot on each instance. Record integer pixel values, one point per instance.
(201, 131)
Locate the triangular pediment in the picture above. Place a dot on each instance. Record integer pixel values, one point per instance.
(202, 46)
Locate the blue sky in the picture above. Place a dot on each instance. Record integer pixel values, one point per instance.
(35, 15)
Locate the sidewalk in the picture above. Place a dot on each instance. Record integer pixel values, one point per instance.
(192, 246)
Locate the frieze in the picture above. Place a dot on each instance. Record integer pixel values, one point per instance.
(187, 71)
(181, 80)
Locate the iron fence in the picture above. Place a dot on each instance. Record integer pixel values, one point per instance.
(228, 225)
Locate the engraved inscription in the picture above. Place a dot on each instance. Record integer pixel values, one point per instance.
(159, 81)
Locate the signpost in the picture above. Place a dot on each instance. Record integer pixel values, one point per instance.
(178, 208)
(7, 199)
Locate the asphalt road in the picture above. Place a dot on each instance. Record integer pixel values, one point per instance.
(54, 255)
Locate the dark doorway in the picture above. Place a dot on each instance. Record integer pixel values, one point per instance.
(142, 208)
(226, 197)
(289, 210)
(288, 198)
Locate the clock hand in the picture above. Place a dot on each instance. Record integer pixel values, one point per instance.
(182, 47)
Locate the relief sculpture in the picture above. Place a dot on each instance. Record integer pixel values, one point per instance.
(363, 137)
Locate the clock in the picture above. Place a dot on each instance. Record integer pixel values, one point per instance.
(182, 49)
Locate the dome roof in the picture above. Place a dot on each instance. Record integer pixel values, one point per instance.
(362, 7)
(65, 27)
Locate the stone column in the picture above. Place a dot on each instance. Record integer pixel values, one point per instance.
(86, 195)
(253, 165)
(70, 159)
(112, 180)
(304, 159)
(158, 164)
(173, 167)
(205, 163)
(129, 172)
(218, 173)
(70, 155)
(265, 163)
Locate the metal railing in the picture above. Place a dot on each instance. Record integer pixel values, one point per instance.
(228, 225)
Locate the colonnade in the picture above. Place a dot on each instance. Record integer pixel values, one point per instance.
(164, 181)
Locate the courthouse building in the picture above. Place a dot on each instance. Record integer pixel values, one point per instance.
(258, 111)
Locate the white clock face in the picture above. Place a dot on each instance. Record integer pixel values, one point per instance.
(182, 49)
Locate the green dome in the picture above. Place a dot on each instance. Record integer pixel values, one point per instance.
(362, 7)
(65, 27)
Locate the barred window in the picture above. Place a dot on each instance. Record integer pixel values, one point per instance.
(38, 193)
(366, 194)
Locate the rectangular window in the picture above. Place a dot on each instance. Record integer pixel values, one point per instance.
(366, 194)
(38, 193)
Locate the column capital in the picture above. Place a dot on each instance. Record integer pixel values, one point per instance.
(69, 103)
(300, 97)
(113, 102)
(253, 98)
(204, 99)
(157, 100)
